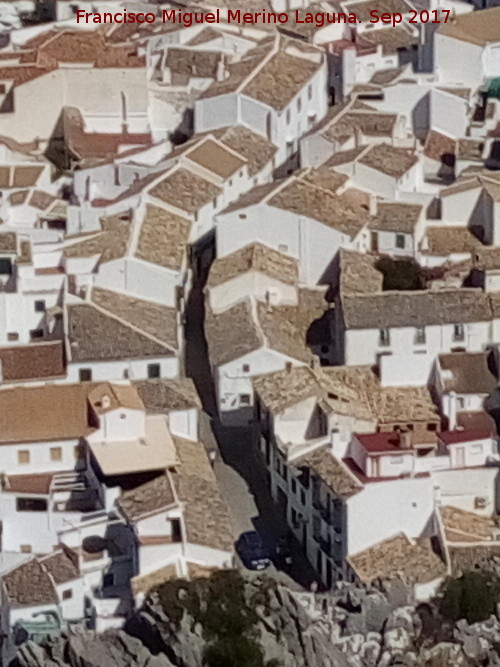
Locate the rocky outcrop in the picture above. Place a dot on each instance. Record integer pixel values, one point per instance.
(347, 627)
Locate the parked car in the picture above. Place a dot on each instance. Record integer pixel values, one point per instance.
(252, 552)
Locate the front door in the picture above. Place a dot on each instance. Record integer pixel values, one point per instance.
(374, 242)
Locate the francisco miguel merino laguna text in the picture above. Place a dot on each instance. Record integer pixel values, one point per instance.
(319, 19)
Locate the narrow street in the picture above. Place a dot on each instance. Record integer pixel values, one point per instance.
(239, 469)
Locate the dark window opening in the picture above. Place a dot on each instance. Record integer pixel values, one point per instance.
(153, 371)
(31, 505)
(85, 374)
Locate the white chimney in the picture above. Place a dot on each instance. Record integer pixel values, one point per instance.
(372, 204)
(221, 69)
(105, 402)
(405, 440)
(452, 411)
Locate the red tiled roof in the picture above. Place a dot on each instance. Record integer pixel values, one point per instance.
(30, 362)
(457, 437)
(380, 443)
(356, 470)
(37, 484)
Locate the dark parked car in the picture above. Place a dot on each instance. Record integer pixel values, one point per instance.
(252, 551)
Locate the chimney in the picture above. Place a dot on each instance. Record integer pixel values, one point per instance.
(315, 363)
(358, 138)
(105, 402)
(372, 204)
(221, 68)
(452, 411)
(288, 367)
(405, 439)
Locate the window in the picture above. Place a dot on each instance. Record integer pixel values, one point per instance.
(303, 497)
(215, 202)
(460, 403)
(384, 337)
(420, 335)
(36, 333)
(67, 594)
(39, 306)
(5, 267)
(31, 505)
(299, 105)
(23, 457)
(25, 548)
(125, 374)
(400, 241)
(432, 427)
(309, 91)
(153, 370)
(245, 399)
(458, 332)
(242, 216)
(288, 116)
(12, 336)
(246, 368)
(85, 374)
(476, 449)
(294, 486)
(55, 454)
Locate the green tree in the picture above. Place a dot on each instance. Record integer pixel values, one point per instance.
(472, 596)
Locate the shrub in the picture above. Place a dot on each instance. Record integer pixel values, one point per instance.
(472, 596)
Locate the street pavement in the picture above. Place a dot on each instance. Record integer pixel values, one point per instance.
(238, 467)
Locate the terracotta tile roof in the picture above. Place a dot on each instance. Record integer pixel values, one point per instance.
(416, 309)
(110, 244)
(185, 190)
(154, 496)
(416, 561)
(358, 273)
(446, 240)
(117, 395)
(29, 585)
(331, 471)
(392, 39)
(185, 64)
(204, 36)
(462, 526)
(143, 584)
(254, 257)
(18, 198)
(30, 362)
(41, 200)
(470, 372)
(344, 157)
(160, 395)
(314, 197)
(62, 565)
(257, 151)
(33, 484)
(477, 27)
(27, 413)
(280, 80)
(94, 147)
(20, 74)
(282, 389)
(85, 46)
(232, 333)
(163, 238)
(95, 335)
(440, 147)
(369, 123)
(151, 318)
(486, 258)
(212, 155)
(396, 217)
(248, 326)
(206, 515)
(362, 9)
(8, 242)
(390, 160)
(386, 76)
(237, 72)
